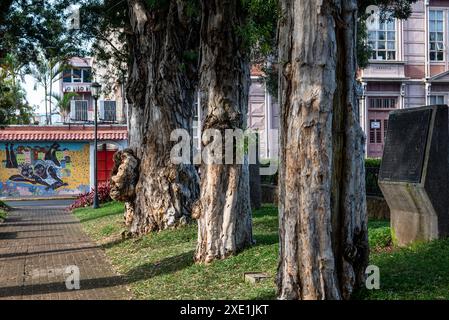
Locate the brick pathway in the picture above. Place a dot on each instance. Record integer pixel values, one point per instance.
(36, 247)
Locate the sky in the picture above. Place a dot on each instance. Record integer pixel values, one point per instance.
(36, 97)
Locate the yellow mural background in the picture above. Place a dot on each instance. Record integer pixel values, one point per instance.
(79, 171)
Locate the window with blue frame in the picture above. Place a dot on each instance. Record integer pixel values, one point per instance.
(76, 75)
(87, 75)
(67, 75)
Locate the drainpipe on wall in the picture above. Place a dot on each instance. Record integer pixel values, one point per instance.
(427, 91)
(403, 89)
(364, 111)
(267, 122)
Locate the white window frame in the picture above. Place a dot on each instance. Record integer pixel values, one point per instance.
(437, 99)
(72, 78)
(374, 43)
(439, 45)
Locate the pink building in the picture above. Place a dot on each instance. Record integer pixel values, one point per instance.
(409, 67)
(77, 79)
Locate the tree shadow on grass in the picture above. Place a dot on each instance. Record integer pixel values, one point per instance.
(266, 239)
(265, 296)
(99, 216)
(162, 267)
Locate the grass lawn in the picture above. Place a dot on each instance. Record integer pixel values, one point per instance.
(160, 265)
(3, 211)
(2, 215)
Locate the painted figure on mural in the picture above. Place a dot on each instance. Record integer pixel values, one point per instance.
(51, 154)
(11, 161)
(43, 167)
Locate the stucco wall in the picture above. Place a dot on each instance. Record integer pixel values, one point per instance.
(30, 169)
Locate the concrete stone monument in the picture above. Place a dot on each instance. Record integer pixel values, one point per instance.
(414, 175)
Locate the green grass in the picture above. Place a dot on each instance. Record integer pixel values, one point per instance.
(2, 215)
(420, 272)
(379, 234)
(3, 211)
(105, 221)
(160, 265)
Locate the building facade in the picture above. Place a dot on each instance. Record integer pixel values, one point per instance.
(77, 81)
(58, 160)
(409, 67)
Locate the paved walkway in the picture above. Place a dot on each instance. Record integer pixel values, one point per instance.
(39, 246)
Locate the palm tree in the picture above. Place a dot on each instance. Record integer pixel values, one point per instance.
(62, 103)
(12, 69)
(47, 71)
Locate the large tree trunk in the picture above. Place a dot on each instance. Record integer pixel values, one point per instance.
(223, 211)
(323, 222)
(161, 92)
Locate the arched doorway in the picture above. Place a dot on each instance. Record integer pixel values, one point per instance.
(105, 161)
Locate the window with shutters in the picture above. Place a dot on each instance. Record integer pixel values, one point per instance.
(382, 102)
(109, 110)
(79, 110)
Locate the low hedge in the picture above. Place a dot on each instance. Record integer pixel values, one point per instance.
(372, 167)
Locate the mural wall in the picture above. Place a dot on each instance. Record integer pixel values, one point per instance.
(44, 168)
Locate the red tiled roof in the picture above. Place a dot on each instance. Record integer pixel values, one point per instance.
(63, 133)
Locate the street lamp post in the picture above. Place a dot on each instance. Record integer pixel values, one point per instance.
(95, 94)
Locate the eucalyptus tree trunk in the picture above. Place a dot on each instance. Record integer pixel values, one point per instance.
(223, 211)
(323, 222)
(160, 90)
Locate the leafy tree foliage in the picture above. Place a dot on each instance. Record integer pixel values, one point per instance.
(105, 25)
(29, 24)
(14, 109)
(399, 9)
(32, 31)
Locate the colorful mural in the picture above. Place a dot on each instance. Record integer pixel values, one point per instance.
(43, 169)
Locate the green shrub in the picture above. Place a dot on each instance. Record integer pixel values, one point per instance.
(372, 186)
(273, 179)
(4, 208)
(379, 234)
(372, 162)
(371, 178)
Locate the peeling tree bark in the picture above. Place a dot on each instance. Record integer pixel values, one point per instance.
(223, 211)
(161, 91)
(124, 177)
(323, 222)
